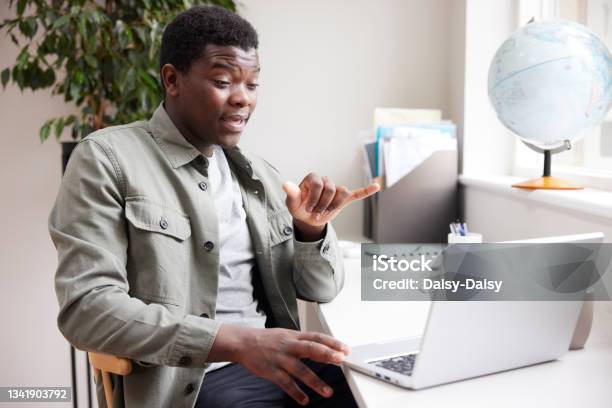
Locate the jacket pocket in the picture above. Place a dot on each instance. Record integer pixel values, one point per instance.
(158, 251)
(154, 217)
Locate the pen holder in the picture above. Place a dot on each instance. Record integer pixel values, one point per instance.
(470, 238)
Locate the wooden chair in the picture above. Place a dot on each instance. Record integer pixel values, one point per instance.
(104, 364)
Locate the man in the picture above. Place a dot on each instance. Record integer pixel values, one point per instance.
(178, 250)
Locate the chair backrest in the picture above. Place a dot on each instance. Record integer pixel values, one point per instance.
(104, 365)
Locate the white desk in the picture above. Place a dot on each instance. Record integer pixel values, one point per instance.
(580, 378)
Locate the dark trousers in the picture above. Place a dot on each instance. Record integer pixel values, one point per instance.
(234, 386)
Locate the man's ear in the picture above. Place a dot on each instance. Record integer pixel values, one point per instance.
(170, 78)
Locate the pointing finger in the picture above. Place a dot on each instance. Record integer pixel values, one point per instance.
(364, 192)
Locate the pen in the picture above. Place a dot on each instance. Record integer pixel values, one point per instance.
(458, 228)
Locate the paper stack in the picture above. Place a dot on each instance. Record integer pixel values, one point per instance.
(404, 139)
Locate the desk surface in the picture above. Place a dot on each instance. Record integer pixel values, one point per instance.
(579, 378)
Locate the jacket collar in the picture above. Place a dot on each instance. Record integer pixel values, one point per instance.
(178, 150)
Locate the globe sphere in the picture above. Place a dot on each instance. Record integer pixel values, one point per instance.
(550, 81)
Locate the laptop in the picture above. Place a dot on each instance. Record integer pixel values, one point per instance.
(469, 339)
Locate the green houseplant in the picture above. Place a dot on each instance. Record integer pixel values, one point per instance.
(101, 55)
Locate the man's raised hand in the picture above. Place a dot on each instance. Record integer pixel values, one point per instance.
(317, 200)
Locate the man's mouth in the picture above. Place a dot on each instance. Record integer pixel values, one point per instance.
(234, 123)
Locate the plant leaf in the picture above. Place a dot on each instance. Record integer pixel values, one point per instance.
(6, 74)
(59, 127)
(45, 130)
(21, 4)
(91, 61)
(62, 21)
(148, 80)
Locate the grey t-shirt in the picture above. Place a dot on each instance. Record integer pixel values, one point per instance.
(235, 301)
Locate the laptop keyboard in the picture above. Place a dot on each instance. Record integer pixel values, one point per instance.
(400, 364)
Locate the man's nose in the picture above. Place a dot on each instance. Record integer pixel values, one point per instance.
(240, 96)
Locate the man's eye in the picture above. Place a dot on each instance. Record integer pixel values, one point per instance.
(252, 86)
(221, 84)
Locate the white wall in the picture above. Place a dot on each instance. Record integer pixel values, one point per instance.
(487, 144)
(326, 65)
(32, 350)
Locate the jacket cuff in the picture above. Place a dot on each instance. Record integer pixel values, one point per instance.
(326, 247)
(193, 342)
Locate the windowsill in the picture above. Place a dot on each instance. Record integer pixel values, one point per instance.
(587, 201)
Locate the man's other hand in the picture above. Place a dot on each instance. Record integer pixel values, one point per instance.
(275, 354)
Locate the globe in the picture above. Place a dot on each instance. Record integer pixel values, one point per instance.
(550, 81)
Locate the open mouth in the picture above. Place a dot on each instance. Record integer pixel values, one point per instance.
(234, 123)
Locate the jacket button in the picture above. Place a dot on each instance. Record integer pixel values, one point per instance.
(287, 230)
(185, 361)
(163, 223)
(203, 186)
(189, 388)
(205, 315)
(209, 246)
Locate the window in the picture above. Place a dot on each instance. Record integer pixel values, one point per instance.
(590, 159)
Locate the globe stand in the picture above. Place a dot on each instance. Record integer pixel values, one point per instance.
(548, 182)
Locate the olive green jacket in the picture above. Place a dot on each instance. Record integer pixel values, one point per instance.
(136, 232)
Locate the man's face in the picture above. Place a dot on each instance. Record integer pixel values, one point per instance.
(216, 97)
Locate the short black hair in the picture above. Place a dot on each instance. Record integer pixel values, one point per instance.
(191, 31)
